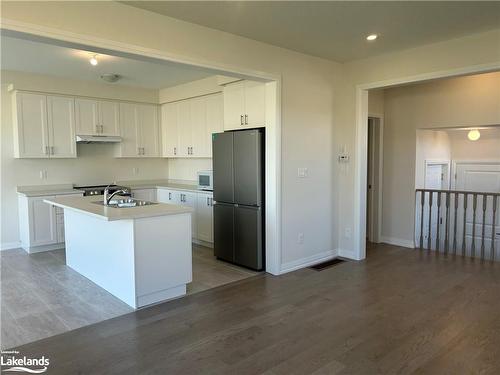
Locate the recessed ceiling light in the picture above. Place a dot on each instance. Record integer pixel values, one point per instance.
(372, 37)
(474, 135)
(93, 60)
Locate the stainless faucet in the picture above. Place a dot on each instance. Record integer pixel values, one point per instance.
(107, 197)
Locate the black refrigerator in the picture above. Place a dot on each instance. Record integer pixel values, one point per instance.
(238, 182)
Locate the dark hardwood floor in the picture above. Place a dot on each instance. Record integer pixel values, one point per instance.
(400, 311)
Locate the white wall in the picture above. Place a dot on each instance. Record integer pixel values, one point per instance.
(485, 148)
(430, 145)
(462, 101)
(308, 107)
(95, 162)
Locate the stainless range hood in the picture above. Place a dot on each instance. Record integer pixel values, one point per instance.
(98, 139)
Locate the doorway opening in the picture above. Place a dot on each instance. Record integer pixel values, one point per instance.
(374, 180)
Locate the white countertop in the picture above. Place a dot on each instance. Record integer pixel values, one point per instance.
(46, 190)
(86, 206)
(64, 189)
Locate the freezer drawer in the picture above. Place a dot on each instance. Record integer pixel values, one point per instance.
(248, 237)
(224, 231)
(248, 168)
(223, 171)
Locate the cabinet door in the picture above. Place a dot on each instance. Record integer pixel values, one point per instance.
(234, 105)
(43, 226)
(198, 123)
(109, 117)
(190, 200)
(168, 196)
(255, 104)
(204, 217)
(31, 126)
(215, 120)
(129, 146)
(149, 134)
(87, 116)
(61, 126)
(184, 128)
(145, 194)
(169, 135)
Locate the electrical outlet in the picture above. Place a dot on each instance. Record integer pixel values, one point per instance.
(347, 232)
(300, 238)
(302, 172)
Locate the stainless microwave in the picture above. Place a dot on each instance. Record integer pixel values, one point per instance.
(205, 180)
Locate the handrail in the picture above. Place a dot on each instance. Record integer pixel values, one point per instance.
(458, 192)
(449, 209)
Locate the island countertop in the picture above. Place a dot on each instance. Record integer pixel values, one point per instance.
(86, 206)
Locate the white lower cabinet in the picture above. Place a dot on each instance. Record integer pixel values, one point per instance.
(41, 225)
(144, 194)
(201, 203)
(205, 217)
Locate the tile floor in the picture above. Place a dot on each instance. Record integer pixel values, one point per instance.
(42, 297)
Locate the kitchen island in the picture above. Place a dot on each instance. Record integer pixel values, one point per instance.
(142, 254)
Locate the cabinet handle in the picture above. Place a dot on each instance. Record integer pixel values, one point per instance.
(169, 196)
(102, 129)
(47, 150)
(97, 128)
(208, 201)
(143, 152)
(246, 119)
(192, 150)
(241, 119)
(52, 151)
(175, 150)
(138, 150)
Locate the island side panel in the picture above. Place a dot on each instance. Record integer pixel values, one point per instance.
(163, 258)
(103, 252)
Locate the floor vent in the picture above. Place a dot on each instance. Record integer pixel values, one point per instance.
(327, 264)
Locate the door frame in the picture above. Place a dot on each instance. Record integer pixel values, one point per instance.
(273, 212)
(376, 231)
(429, 162)
(361, 126)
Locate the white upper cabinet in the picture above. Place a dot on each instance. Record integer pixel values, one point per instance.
(87, 116)
(109, 117)
(61, 126)
(139, 130)
(44, 126)
(149, 132)
(169, 134)
(184, 134)
(215, 119)
(187, 126)
(244, 105)
(31, 136)
(97, 117)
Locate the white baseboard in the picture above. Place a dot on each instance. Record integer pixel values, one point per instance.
(10, 245)
(397, 242)
(308, 261)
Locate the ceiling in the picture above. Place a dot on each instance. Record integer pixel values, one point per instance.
(35, 57)
(336, 30)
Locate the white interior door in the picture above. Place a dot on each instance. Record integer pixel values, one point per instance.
(479, 178)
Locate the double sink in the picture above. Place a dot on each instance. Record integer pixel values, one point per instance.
(125, 202)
